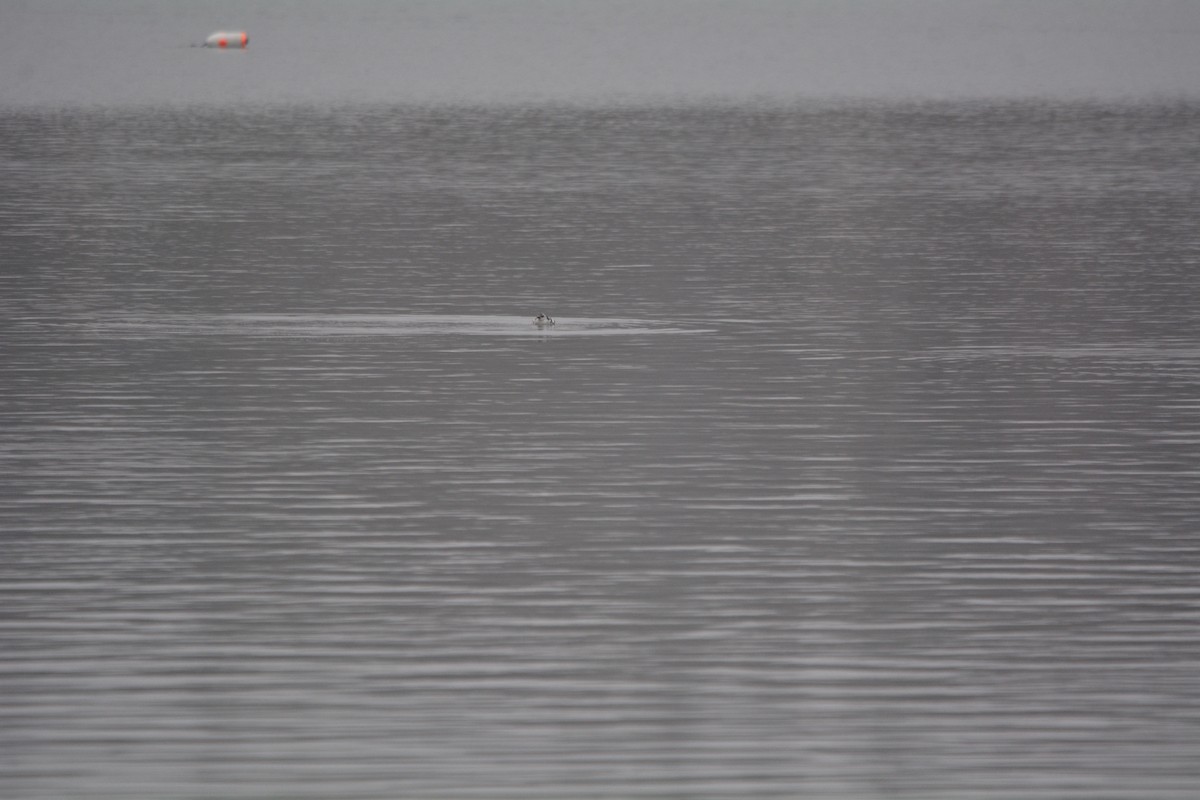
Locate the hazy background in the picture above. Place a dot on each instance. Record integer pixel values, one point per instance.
(76, 51)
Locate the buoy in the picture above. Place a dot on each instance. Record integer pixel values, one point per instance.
(225, 39)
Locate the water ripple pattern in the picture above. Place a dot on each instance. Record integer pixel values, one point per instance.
(319, 325)
(863, 462)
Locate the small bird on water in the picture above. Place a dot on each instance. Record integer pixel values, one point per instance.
(543, 320)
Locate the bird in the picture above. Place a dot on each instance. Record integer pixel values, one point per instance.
(542, 320)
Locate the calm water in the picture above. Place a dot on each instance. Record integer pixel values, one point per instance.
(862, 463)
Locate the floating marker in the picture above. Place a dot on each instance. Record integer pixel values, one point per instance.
(226, 39)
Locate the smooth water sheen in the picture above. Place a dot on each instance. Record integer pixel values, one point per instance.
(319, 325)
(863, 461)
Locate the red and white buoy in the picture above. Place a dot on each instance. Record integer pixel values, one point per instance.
(227, 39)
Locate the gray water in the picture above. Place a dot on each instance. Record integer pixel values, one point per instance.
(862, 461)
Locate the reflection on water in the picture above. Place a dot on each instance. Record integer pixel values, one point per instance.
(151, 326)
(861, 464)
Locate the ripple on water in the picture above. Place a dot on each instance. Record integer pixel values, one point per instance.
(324, 325)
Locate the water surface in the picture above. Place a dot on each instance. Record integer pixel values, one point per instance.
(862, 462)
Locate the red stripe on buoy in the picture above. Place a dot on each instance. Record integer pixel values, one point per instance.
(222, 42)
(245, 39)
